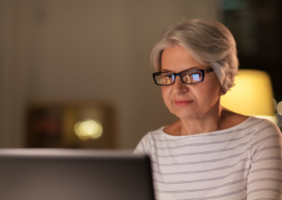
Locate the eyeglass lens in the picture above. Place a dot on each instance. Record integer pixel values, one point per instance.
(167, 78)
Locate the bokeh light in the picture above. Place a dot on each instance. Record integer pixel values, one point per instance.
(279, 108)
(88, 129)
(279, 120)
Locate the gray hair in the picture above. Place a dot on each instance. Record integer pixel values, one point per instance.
(208, 41)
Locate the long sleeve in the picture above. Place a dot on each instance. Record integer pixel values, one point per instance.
(265, 174)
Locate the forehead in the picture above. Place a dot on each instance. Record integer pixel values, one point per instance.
(178, 59)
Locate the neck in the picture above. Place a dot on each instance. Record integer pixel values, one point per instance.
(210, 122)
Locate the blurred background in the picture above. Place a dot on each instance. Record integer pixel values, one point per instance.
(76, 73)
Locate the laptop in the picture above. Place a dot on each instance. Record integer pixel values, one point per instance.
(54, 174)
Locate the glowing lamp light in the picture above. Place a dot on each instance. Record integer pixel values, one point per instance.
(251, 95)
(88, 129)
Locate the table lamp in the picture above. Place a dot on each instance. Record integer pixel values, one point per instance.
(251, 95)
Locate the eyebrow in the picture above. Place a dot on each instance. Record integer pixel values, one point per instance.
(192, 68)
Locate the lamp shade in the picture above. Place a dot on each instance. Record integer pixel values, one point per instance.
(251, 95)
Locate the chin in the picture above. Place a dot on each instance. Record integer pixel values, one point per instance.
(186, 115)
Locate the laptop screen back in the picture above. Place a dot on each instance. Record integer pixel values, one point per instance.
(74, 174)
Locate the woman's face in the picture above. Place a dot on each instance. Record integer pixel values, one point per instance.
(189, 101)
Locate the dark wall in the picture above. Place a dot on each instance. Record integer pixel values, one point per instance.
(257, 28)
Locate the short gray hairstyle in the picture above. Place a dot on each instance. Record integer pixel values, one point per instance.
(208, 41)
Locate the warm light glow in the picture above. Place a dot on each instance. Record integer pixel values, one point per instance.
(88, 129)
(251, 95)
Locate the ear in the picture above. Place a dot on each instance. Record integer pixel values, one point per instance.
(223, 91)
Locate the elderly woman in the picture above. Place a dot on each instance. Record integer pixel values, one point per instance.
(210, 152)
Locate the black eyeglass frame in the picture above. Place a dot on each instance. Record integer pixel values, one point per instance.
(203, 71)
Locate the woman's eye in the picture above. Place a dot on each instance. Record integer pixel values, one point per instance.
(167, 79)
(186, 78)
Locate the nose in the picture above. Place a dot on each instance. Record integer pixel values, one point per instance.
(180, 87)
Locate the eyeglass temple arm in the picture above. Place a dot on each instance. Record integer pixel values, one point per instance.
(209, 70)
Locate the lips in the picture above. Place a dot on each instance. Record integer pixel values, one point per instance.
(182, 102)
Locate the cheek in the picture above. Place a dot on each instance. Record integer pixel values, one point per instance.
(206, 92)
(166, 95)
(209, 92)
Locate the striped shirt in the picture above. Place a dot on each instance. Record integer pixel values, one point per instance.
(241, 162)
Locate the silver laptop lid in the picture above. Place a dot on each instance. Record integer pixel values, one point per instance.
(45, 174)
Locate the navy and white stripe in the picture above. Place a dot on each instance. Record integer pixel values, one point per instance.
(242, 162)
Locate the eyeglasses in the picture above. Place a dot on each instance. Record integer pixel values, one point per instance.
(187, 77)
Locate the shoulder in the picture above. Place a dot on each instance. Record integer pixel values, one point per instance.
(265, 133)
(248, 123)
(260, 127)
(146, 144)
(264, 126)
(155, 134)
